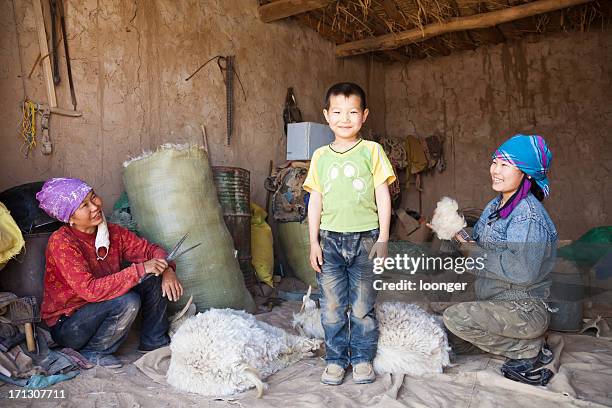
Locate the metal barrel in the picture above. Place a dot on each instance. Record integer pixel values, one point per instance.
(25, 274)
(21, 202)
(234, 191)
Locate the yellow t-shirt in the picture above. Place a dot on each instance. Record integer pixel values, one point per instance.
(347, 182)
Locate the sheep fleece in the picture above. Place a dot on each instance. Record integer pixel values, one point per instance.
(411, 341)
(214, 352)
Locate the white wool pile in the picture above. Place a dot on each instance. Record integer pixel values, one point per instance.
(224, 351)
(446, 221)
(165, 146)
(411, 341)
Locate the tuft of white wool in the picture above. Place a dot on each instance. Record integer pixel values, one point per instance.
(446, 221)
(308, 321)
(411, 341)
(223, 351)
(165, 146)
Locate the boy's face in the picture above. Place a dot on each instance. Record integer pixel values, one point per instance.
(345, 116)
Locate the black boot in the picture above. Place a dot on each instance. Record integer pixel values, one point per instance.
(529, 370)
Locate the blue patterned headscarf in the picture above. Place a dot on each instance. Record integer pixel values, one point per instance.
(530, 154)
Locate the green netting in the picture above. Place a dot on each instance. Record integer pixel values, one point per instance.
(122, 203)
(171, 192)
(589, 248)
(294, 241)
(121, 214)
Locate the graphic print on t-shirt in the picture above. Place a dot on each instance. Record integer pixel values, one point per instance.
(345, 174)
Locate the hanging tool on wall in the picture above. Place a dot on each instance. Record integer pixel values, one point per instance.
(227, 67)
(54, 56)
(67, 54)
(229, 94)
(28, 125)
(57, 11)
(291, 113)
(28, 129)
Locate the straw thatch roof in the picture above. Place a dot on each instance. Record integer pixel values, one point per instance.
(401, 30)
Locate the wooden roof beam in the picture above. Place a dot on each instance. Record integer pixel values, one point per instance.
(483, 20)
(287, 8)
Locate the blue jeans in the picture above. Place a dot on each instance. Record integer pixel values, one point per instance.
(99, 328)
(348, 297)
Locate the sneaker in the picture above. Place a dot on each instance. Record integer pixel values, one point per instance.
(363, 373)
(332, 375)
(104, 360)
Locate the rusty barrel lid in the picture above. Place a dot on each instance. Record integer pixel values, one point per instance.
(233, 189)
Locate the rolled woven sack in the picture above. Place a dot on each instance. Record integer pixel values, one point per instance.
(171, 192)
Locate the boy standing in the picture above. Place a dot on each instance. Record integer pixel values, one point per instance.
(349, 211)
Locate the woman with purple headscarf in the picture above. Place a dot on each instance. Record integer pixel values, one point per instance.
(89, 300)
(517, 240)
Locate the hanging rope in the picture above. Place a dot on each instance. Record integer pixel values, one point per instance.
(28, 127)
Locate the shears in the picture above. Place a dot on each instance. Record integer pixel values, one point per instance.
(175, 254)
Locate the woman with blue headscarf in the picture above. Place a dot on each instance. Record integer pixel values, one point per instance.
(518, 240)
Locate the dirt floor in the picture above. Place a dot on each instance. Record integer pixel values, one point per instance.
(583, 365)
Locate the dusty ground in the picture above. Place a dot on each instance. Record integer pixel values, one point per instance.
(584, 375)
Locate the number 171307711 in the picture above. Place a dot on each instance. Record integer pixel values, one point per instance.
(36, 394)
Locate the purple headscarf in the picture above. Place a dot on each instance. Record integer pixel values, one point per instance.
(60, 197)
(516, 198)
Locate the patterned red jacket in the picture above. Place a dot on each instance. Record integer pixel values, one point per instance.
(74, 277)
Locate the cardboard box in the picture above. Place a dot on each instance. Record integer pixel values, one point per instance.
(304, 138)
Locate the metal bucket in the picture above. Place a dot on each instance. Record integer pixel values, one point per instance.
(25, 274)
(234, 191)
(567, 294)
(567, 317)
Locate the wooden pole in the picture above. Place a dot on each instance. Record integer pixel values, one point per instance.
(44, 53)
(483, 20)
(287, 8)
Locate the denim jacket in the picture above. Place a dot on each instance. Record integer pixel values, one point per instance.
(519, 251)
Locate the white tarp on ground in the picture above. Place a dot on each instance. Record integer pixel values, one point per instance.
(584, 378)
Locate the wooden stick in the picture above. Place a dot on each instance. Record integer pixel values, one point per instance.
(205, 140)
(287, 8)
(44, 50)
(270, 168)
(483, 20)
(29, 332)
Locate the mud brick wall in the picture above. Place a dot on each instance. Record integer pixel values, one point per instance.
(558, 87)
(130, 60)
